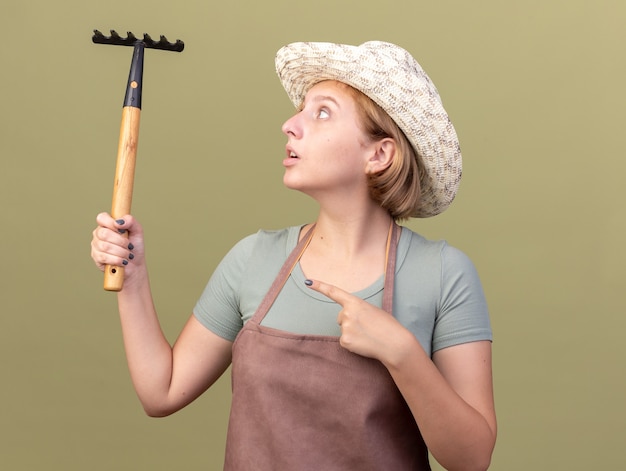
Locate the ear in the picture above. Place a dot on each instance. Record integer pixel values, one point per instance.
(384, 151)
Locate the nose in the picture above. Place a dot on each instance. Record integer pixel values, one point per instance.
(292, 126)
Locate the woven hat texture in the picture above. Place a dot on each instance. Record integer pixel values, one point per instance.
(393, 79)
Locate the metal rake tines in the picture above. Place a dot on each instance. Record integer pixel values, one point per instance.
(131, 40)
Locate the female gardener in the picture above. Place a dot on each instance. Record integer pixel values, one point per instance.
(355, 343)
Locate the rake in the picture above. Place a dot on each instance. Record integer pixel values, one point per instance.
(129, 131)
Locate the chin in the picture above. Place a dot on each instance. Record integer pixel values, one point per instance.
(290, 183)
(297, 186)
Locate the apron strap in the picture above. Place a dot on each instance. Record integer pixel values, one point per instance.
(282, 276)
(390, 266)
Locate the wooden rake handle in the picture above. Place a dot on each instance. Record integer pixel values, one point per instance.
(126, 157)
(123, 184)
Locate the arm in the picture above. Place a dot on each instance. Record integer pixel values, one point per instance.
(166, 379)
(450, 396)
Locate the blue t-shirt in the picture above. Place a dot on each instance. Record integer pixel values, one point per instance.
(437, 292)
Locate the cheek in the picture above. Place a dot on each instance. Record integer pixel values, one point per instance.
(352, 152)
(345, 144)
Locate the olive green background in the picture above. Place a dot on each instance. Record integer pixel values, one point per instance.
(536, 91)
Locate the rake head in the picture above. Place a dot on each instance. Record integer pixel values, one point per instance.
(131, 40)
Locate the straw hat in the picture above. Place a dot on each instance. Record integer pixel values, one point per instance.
(392, 78)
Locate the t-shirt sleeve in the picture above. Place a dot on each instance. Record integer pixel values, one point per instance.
(218, 306)
(462, 315)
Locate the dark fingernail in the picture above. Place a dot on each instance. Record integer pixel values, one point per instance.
(121, 222)
(131, 256)
(308, 282)
(131, 246)
(122, 231)
(124, 262)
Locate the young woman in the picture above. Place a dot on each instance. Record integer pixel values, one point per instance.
(355, 343)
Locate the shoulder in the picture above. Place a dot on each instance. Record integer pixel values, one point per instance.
(240, 281)
(275, 239)
(437, 254)
(262, 242)
(439, 293)
(417, 253)
(259, 256)
(419, 242)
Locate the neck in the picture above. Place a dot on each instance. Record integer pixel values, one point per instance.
(348, 252)
(350, 234)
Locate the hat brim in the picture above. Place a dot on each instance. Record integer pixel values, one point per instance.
(392, 78)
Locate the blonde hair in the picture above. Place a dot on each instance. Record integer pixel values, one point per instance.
(397, 188)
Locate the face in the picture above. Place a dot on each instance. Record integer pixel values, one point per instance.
(326, 149)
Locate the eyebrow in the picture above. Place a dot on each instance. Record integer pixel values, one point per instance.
(325, 98)
(318, 98)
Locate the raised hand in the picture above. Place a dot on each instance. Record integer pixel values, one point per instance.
(118, 243)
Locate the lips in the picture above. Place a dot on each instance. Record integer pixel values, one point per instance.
(292, 157)
(291, 153)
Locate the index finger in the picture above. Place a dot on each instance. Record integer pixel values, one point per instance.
(338, 295)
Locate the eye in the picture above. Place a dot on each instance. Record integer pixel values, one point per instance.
(323, 113)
